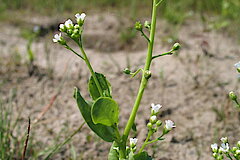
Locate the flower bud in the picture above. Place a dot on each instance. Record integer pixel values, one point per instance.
(238, 69)
(147, 24)
(237, 65)
(215, 155)
(238, 144)
(237, 152)
(233, 96)
(149, 125)
(234, 149)
(127, 71)
(153, 119)
(220, 157)
(138, 26)
(224, 139)
(159, 123)
(176, 47)
(147, 74)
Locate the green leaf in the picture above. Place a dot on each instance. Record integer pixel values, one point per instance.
(104, 132)
(113, 154)
(105, 85)
(105, 111)
(142, 156)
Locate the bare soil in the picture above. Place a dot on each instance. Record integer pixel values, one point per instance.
(192, 86)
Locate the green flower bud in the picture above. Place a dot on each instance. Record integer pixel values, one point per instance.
(127, 71)
(234, 149)
(138, 26)
(150, 125)
(147, 74)
(147, 24)
(238, 69)
(215, 155)
(159, 123)
(233, 96)
(176, 47)
(220, 157)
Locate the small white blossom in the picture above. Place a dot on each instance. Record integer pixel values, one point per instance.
(238, 151)
(214, 147)
(224, 147)
(133, 141)
(80, 17)
(238, 144)
(57, 37)
(237, 65)
(153, 118)
(68, 23)
(156, 108)
(169, 124)
(61, 26)
(224, 139)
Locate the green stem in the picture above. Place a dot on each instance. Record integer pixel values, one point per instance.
(160, 1)
(164, 54)
(228, 155)
(69, 48)
(144, 79)
(119, 142)
(91, 69)
(145, 142)
(145, 36)
(135, 73)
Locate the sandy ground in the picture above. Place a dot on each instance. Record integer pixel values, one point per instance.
(189, 86)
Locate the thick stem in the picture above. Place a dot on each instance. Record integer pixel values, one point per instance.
(144, 79)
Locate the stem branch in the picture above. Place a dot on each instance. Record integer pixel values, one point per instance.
(144, 79)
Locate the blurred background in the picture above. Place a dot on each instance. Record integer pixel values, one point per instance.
(37, 77)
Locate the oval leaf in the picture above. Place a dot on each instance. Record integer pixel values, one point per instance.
(104, 83)
(104, 132)
(105, 111)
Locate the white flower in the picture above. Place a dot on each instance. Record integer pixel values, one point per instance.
(224, 139)
(68, 23)
(153, 118)
(238, 151)
(61, 26)
(214, 147)
(156, 108)
(133, 141)
(57, 37)
(169, 124)
(80, 17)
(238, 144)
(237, 65)
(224, 147)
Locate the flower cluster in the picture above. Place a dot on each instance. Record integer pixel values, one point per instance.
(224, 150)
(154, 123)
(72, 30)
(133, 143)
